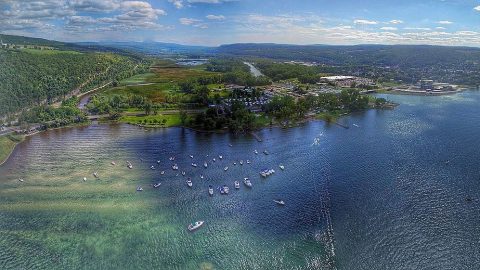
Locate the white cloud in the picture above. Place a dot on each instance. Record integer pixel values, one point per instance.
(418, 28)
(188, 21)
(396, 21)
(177, 3)
(389, 28)
(364, 22)
(445, 22)
(477, 8)
(215, 17)
(440, 28)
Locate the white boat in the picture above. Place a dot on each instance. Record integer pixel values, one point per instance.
(21, 180)
(189, 183)
(282, 167)
(220, 157)
(172, 158)
(210, 190)
(183, 173)
(247, 182)
(113, 163)
(224, 190)
(205, 165)
(95, 174)
(255, 151)
(201, 176)
(225, 169)
(234, 163)
(192, 227)
(266, 152)
(139, 188)
(237, 184)
(152, 167)
(355, 125)
(241, 162)
(248, 161)
(162, 172)
(279, 202)
(84, 178)
(157, 185)
(175, 167)
(213, 159)
(194, 165)
(129, 165)
(158, 161)
(191, 156)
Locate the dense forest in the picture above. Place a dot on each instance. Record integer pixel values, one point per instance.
(35, 77)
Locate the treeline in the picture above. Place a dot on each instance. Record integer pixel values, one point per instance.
(50, 117)
(236, 118)
(28, 78)
(286, 108)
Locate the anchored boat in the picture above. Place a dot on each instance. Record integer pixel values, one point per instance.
(195, 225)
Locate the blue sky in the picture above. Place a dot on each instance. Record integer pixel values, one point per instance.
(214, 22)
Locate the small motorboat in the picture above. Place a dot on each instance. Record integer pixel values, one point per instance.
(129, 165)
(214, 160)
(355, 125)
(152, 167)
(21, 180)
(84, 178)
(225, 169)
(139, 188)
(237, 185)
(191, 156)
(95, 174)
(266, 152)
(183, 173)
(282, 167)
(210, 190)
(157, 185)
(247, 182)
(201, 176)
(194, 165)
(241, 162)
(158, 161)
(172, 158)
(248, 161)
(205, 165)
(113, 163)
(162, 172)
(192, 227)
(175, 167)
(235, 163)
(224, 190)
(255, 151)
(189, 183)
(279, 202)
(220, 157)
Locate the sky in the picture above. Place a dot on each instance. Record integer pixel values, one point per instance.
(215, 22)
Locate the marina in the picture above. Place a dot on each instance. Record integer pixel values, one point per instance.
(327, 171)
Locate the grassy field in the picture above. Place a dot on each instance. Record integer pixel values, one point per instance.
(48, 52)
(7, 143)
(138, 79)
(172, 120)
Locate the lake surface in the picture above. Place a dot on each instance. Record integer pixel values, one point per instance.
(400, 190)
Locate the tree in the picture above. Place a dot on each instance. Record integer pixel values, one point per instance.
(148, 107)
(183, 117)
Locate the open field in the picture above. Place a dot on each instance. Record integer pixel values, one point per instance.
(7, 144)
(138, 79)
(172, 120)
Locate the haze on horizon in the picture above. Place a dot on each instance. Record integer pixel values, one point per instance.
(215, 22)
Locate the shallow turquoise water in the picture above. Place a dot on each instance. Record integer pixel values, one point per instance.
(378, 196)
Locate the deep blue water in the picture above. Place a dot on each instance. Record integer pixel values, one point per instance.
(400, 190)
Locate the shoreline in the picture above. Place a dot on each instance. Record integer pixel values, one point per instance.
(291, 124)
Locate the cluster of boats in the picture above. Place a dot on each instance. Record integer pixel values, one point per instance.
(267, 172)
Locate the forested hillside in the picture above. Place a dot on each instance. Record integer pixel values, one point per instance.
(33, 77)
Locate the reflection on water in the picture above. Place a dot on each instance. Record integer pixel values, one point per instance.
(398, 191)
